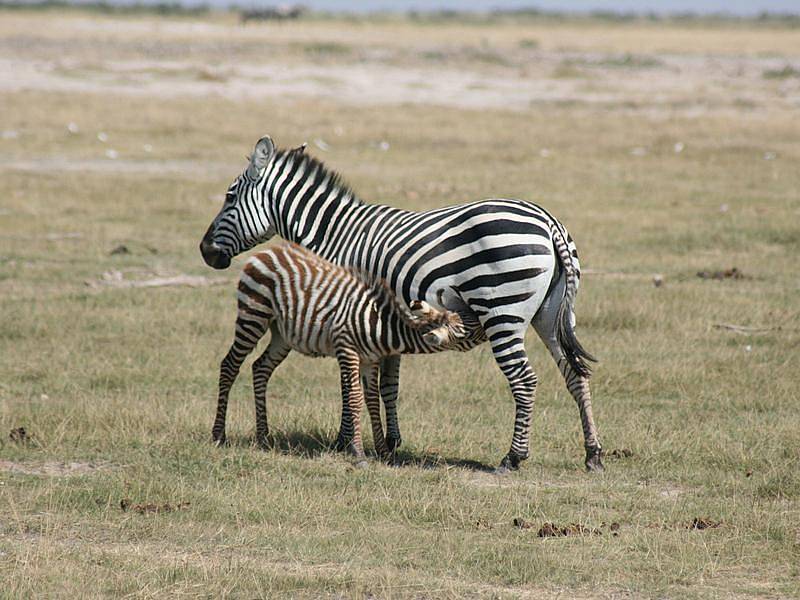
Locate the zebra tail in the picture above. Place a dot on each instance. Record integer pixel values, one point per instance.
(577, 356)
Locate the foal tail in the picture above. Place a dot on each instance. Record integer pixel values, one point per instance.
(575, 353)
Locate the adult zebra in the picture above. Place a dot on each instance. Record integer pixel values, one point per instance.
(510, 260)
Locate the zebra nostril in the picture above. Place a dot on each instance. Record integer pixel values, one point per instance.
(214, 256)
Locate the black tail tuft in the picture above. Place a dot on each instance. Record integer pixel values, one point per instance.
(576, 354)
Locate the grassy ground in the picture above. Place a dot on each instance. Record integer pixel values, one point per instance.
(115, 388)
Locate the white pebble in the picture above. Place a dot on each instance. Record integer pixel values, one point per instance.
(10, 134)
(770, 156)
(112, 154)
(384, 145)
(322, 144)
(147, 148)
(102, 136)
(638, 151)
(723, 208)
(748, 348)
(72, 127)
(678, 147)
(544, 153)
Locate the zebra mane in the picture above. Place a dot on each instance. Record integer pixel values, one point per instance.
(309, 164)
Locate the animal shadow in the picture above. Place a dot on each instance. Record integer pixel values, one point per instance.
(311, 443)
(428, 460)
(305, 443)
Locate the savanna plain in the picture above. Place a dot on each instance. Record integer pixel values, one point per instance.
(668, 149)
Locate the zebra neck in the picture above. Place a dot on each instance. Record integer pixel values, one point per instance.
(322, 223)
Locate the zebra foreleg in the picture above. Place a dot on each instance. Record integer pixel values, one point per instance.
(248, 332)
(509, 352)
(389, 389)
(352, 398)
(263, 367)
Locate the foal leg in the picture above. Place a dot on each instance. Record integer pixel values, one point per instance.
(249, 330)
(353, 398)
(389, 383)
(263, 367)
(372, 395)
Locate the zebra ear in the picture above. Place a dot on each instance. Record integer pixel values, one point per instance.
(301, 149)
(264, 151)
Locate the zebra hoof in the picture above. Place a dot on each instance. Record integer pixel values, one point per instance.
(262, 441)
(594, 462)
(219, 439)
(361, 463)
(509, 463)
(393, 443)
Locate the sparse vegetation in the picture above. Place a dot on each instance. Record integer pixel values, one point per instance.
(784, 72)
(109, 484)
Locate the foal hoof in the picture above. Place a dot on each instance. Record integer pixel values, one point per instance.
(342, 443)
(594, 462)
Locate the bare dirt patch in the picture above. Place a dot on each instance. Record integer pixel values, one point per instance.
(116, 279)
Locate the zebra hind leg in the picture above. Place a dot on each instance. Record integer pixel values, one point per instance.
(509, 352)
(578, 385)
(263, 367)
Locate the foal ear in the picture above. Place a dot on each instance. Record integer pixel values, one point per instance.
(420, 308)
(454, 303)
(262, 154)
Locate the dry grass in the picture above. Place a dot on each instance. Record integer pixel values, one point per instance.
(124, 379)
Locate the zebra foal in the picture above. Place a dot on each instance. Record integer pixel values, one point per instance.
(320, 309)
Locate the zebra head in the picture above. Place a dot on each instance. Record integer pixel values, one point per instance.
(243, 221)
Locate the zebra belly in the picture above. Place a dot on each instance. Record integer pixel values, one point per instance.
(306, 340)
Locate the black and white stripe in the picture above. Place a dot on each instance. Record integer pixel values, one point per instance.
(510, 260)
